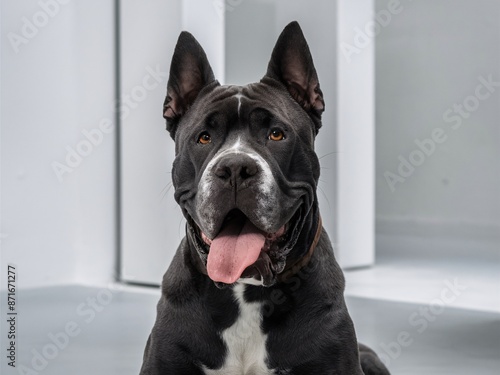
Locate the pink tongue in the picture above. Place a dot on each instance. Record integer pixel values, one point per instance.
(236, 247)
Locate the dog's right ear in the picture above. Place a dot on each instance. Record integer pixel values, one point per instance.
(292, 64)
(190, 72)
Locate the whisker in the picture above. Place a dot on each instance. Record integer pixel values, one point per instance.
(324, 195)
(165, 190)
(328, 154)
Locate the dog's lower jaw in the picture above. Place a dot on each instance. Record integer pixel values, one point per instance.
(277, 263)
(261, 267)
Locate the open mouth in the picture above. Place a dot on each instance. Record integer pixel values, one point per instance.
(241, 250)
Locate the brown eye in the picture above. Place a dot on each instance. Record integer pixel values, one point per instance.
(276, 135)
(204, 138)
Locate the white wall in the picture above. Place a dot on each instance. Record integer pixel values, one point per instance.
(355, 135)
(206, 21)
(152, 224)
(423, 69)
(59, 83)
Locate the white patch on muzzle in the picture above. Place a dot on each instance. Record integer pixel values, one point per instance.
(266, 185)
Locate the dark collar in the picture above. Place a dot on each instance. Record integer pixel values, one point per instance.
(293, 268)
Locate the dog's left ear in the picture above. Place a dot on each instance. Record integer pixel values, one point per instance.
(190, 72)
(291, 63)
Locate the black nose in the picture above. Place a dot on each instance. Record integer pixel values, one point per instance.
(236, 171)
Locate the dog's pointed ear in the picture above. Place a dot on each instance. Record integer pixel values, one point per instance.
(190, 72)
(291, 63)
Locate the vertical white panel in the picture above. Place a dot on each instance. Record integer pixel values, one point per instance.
(95, 234)
(355, 133)
(151, 223)
(206, 21)
(38, 120)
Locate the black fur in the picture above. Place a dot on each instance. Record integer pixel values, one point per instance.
(309, 330)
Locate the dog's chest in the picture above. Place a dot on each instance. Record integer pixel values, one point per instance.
(245, 341)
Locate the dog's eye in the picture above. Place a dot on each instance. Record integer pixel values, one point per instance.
(276, 135)
(204, 138)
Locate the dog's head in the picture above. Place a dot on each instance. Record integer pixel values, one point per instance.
(245, 172)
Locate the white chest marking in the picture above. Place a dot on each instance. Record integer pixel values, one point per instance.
(246, 344)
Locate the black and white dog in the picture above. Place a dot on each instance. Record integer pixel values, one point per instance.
(254, 288)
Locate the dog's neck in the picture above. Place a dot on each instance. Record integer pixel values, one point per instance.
(293, 268)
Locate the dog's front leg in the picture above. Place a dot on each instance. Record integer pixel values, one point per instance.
(159, 360)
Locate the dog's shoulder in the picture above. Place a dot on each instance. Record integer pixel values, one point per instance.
(179, 285)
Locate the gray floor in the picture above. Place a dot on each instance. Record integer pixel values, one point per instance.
(424, 265)
(109, 334)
